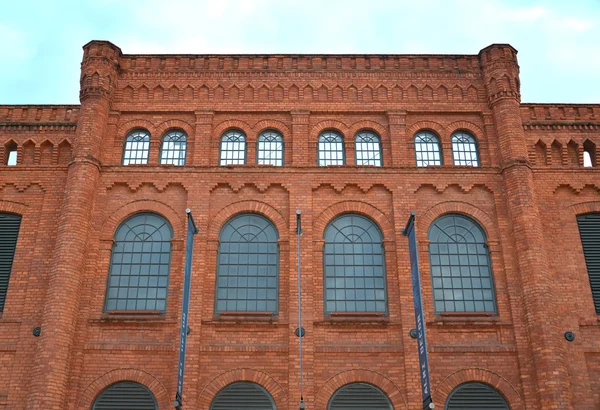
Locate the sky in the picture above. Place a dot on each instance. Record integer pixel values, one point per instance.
(558, 41)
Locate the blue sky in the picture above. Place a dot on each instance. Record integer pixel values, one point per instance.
(558, 41)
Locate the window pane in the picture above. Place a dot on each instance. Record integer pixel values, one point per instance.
(270, 149)
(233, 148)
(137, 147)
(464, 150)
(427, 149)
(173, 148)
(368, 149)
(331, 149)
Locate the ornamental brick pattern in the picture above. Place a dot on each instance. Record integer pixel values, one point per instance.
(72, 192)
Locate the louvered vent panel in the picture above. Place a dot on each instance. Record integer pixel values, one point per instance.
(359, 396)
(9, 232)
(126, 396)
(589, 229)
(476, 396)
(243, 396)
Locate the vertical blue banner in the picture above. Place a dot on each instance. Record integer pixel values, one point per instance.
(410, 232)
(185, 306)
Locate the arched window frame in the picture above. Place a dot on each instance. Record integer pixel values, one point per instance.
(376, 162)
(177, 153)
(11, 227)
(434, 143)
(256, 386)
(374, 300)
(241, 139)
(133, 154)
(459, 147)
(219, 268)
(374, 388)
(96, 403)
(278, 161)
(493, 390)
(114, 260)
(453, 278)
(322, 161)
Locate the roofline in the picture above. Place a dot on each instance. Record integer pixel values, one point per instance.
(304, 55)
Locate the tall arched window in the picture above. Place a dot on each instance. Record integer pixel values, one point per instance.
(270, 149)
(476, 396)
(137, 148)
(354, 266)
(243, 395)
(233, 148)
(359, 396)
(248, 266)
(464, 149)
(173, 150)
(125, 395)
(331, 149)
(589, 232)
(367, 149)
(461, 271)
(427, 149)
(10, 225)
(139, 265)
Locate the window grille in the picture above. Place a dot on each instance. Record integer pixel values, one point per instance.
(270, 149)
(464, 149)
(427, 149)
(233, 148)
(368, 149)
(173, 150)
(355, 279)
(589, 231)
(461, 271)
(139, 266)
(331, 149)
(10, 225)
(243, 395)
(476, 396)
(359, 396)
(137, 148)
(125, 396)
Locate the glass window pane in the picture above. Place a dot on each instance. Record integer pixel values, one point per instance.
(137, 147)
(464, 149)
(270, 149)
(368, 149)
(233, 148)
(173, 148)
(427, 149)
(331, 149)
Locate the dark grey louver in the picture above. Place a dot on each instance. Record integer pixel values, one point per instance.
(9, 233)
(359, 396)
(589, 230)
(126, 396)
(476, 396)
(243, 396)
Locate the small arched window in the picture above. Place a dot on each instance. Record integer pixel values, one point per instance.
(243, 395)
(354, 266)
(589, 154)
(464, 149)
(10, 154)
(427, 149)
(270, 149)
(173, 150)
(331, 149)
(367, 149)
(476, 396)
(248, 265)
(461, 272)
(10, 225)
(359, 396)
(139, 265)
(137, 148)
(125, 395)
(233, 148)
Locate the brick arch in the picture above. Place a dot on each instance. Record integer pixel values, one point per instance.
(220, 128)
(471, 128)
(111, 223)
(367, 125)
(378, 380)
(223, 380)
(328, 125)
(426, 125)
(48, 140)
(271, 124)
(127, 374)
(442, 208)
(250, 206)
(13, 207)
(132, 125)
(585, 207)
(168, 125)
(358, 207)
(443, 389)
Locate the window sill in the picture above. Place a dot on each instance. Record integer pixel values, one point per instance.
(356, 318)
(122, 315)
(467, 319)
(245, 317)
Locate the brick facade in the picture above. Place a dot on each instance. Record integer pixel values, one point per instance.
(72, 192)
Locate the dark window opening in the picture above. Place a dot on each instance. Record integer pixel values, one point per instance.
(359, 396)
(589, 231)
(589, 154)
(10, 154)
(476, 396)
(125, 395)
(243, 395)
(9, 233)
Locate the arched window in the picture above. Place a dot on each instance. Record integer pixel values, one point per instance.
(248, 266)
(243, 395)
(589, 154)
(10, 225)
(427, 149)
(367, 149)
(137, 148)
(359, 396)
(139, 265)
(10, 154)
(354, 266)
(476, 396)
(173, 150)
(331, 149)
(589, 232)
(125, 395)
(270, 149)
(464, 149)
(233, 148)
(461, 272)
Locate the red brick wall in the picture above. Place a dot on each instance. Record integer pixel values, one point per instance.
(524, 198)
